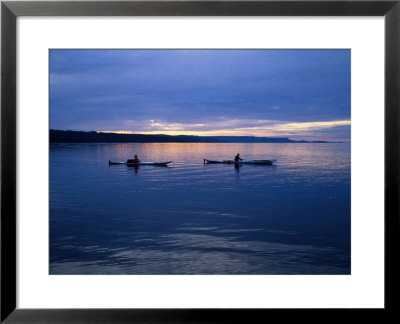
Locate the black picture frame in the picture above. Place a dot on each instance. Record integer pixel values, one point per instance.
(10, 10)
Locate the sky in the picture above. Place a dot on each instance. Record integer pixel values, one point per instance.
(300, 94)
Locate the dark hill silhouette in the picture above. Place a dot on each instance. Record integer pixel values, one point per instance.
(68, 136)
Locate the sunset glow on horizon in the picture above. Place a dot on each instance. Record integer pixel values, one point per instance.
(275, 129)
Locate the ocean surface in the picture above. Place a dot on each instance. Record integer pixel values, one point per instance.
(190, 218)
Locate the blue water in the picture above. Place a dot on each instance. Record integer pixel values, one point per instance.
(190, 218)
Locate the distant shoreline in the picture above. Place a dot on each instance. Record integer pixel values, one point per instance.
(68, 136)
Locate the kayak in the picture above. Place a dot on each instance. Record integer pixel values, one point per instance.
(256, 162)
(140, 163)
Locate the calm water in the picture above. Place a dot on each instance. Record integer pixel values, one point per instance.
(190, 218)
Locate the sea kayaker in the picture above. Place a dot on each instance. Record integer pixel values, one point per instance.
(238, 158)
(135, 159)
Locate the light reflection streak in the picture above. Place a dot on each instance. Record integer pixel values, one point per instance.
(183, 253)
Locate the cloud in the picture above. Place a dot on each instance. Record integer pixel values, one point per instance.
(299, 127)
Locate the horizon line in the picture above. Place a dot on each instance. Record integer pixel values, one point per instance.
(204, 136)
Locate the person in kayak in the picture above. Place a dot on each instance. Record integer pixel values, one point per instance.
(238, 158)
(134, 160)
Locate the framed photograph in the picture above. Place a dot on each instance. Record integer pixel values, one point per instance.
(191, 161)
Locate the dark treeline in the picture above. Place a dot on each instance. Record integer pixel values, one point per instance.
(67, 136)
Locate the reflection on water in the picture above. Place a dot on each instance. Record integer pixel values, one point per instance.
(191, 218)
